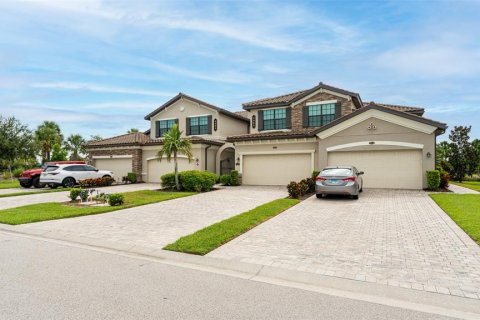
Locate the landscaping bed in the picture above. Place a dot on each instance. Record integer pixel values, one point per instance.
(215, 235)
(54, 210)
(464, 209)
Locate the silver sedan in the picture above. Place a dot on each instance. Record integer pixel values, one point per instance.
(345, 180)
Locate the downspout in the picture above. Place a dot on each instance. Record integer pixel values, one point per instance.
(206, 156)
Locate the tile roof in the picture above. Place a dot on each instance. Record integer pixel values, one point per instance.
(272, 135)
(409, 109)
(140, 139)
(243, 113)
(294, 96)
(183, 95)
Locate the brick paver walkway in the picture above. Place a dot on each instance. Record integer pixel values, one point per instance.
(156, 225)
(393, 237)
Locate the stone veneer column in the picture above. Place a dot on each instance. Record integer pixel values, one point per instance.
(137, 163)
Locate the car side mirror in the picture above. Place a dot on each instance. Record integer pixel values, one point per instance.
(360, 173)
(96, 170)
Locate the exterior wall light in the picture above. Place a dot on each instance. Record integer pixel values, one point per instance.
(429, 155)
(197, 162)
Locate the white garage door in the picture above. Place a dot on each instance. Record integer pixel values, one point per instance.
(278, 169)
(392, 169)
(156, 169)
(120, 167)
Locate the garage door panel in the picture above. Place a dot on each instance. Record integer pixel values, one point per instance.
(119, 167)
(156, 168)
(278, 169)
(393, 169)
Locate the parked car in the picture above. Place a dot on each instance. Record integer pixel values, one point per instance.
(31, 177)
(68, 175)
(339, 180)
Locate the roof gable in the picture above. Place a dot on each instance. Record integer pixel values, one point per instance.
(195, 100)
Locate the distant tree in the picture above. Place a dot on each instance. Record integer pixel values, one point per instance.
(462, 154)
(74, 144)
(95, 137)
(16, 142)
(58, 153)
(476, 145)
(133, 130)
(46, 135)
(174, 144)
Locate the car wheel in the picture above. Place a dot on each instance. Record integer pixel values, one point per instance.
(355, 197)
(319, 195)
(25, 185)
(68, 182)
(107, 176)
(36, 182)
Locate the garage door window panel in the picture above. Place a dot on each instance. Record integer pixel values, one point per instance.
(321, 114)
(275, 119)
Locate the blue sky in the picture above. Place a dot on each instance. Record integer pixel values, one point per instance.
(98, 67)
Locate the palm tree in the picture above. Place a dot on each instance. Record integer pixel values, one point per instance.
(74, 144)
(174, 144)
(46, 135)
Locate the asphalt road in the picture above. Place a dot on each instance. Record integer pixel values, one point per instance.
(46, 280)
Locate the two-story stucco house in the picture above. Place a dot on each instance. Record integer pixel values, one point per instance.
(281, 139)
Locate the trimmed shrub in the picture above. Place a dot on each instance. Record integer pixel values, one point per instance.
(84, 194)
(132, 177)
(74, 193)
(225, 180)
(195, 180)
(192, 180)
(168, 180)
(116, 199)
(444, 179)
(433, 179)
(97, 182)
(294, 190)
(234, 178)
(17, 172)
(309, 183)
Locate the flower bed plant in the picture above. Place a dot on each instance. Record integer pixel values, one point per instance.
(98, 182)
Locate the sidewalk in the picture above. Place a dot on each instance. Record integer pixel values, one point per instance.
(461, 190)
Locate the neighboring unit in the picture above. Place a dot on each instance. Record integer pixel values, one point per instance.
(285, 138)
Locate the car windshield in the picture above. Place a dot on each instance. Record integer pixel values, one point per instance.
(51, 168)
(336, 172)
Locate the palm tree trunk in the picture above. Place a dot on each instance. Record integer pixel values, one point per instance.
(177, 184)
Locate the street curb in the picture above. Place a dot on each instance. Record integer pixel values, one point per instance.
(435, 303)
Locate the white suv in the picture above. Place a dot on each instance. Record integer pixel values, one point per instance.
(68, 175)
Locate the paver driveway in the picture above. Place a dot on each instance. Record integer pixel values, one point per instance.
(395, 237)
(12, 202)
(156, 225)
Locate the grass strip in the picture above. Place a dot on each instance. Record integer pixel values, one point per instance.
(9, 184)
(474, 185)
(24, 193)
(464, 209)
(55, 210)
(212, 237)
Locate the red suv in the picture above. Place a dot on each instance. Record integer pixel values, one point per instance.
(31, 177)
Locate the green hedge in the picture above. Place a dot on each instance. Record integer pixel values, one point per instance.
(433, 179)
(231, 179)
(193, 180)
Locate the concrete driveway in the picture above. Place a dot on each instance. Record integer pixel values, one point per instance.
(18, 201)
(153, 226)
(393, 237)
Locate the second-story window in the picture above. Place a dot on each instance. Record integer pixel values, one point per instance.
(275, 119)
(199, 125)
(321, 114)
(165, 126)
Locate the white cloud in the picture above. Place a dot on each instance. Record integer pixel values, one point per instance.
(100, 88)
(432, 59)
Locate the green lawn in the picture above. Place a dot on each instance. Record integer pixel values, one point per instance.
(464, 209)
(474, 185)
(9, 184)
(212, 237)
(53, 210)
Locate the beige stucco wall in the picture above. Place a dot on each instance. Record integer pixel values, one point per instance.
(183, 108)
(385, 131)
